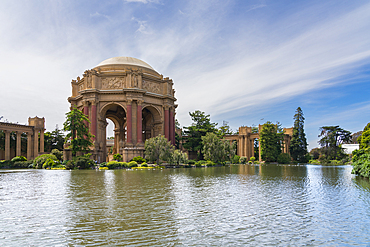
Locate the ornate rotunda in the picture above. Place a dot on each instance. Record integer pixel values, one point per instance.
(137, 99)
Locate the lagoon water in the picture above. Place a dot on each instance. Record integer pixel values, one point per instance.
(242, 205)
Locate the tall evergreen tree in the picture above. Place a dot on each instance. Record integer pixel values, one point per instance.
(78, 133)
(298, 144)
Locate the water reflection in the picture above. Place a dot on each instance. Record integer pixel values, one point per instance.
(222, 206)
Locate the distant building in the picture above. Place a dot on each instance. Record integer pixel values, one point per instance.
(349, 148)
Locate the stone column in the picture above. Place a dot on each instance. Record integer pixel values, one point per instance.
(7, 144)
(93, 119)
(116, 140)
(253, 147)
(166, 122)
(18, 149)
(172, 124)
(247, 147)
(240, 146)
(259, 150)
(243, 147)
(129, 121)
(139, 118)
(42, 141)
(35, 143)
(174, 128)
(29, 146)
(86, 111)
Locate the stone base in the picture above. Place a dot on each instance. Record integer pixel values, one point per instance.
(130, 152)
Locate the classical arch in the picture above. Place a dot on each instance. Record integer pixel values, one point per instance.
(152, 122)
(138, 100)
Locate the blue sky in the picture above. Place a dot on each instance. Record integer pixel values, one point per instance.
(244, 62)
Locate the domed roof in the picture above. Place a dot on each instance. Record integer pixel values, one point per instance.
(125, 61)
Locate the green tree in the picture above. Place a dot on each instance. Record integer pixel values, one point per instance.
(178, 138)
(225, 129)
(331, 139)
(54, 140)
(364, 139)
(158, 148)
(271, 137)
(298, 144)
(117, 157)
(200, 127)
(216, 149)
(178, 157)
(78, 135)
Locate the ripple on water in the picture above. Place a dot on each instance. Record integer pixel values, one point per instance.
(223, 206)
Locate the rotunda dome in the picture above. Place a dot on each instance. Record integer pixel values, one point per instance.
(125, 61)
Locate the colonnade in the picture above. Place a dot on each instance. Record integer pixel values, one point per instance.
(35, 127)
(246, 140)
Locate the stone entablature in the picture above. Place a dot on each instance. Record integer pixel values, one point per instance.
(34, 127)
(134, 96)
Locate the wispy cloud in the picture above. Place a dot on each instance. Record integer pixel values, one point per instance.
(224, 58)
(257, 6)
(97, 14)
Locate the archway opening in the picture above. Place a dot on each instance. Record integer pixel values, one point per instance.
(151, 123)
(115, 132)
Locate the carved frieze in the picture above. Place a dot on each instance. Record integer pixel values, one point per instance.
(113, 83)
(151, 87)
(81, 87)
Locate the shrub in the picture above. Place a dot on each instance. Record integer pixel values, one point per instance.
(284, 158)
(210, 163)
(49, 163)
(235, 159)
(191, 162)
(362, 165)
(104, 164)
(139, 159)
(6, 164)
(69, 165)
(113, 164)
(40, 160)
(200, 163)
(132, 164)
(144, 164)
(252, 159)
(117, 157)
(83, 162)
(314, 162)
(19, 158)
(243, 160)
(22, 164)
(57, 153)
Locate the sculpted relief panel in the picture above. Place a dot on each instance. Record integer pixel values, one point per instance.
(152, 87)
(81, 87)
(113, 83)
